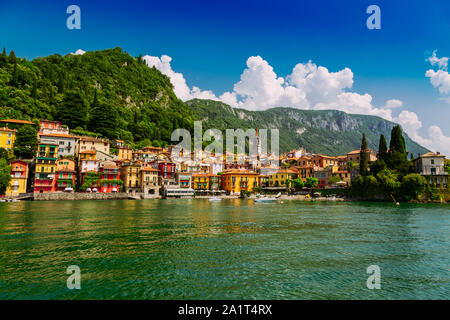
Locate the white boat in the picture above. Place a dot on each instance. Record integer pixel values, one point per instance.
(265, 199)
(215, 199)
(332, 198)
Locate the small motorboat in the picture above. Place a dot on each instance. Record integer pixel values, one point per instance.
(215, 199)
(333, 198)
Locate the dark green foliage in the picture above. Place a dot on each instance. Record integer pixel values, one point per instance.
(138, 101)
(397, 143)
(382, 148)
(412, 185)
(5, 175)
(311, 182)
(72, 111)
(298, 184)
(377, 166)
(399, 163)
(328, 132)
(447, 165)
(26, 142)
(364, 157)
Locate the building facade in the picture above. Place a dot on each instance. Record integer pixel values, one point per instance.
(19, 177)
(431, 166)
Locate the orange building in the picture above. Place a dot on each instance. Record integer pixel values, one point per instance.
(65, 175)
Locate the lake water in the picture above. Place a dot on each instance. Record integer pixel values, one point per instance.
(233, 249)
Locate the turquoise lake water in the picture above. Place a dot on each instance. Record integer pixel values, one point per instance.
(233, 249)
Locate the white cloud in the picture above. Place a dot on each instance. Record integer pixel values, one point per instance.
(79, 52)
(393, 103)
(436, 140)
(181, 88)
(440, 79)
(312, 87)
(442, 63)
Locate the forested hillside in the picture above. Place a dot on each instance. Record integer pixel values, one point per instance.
(106, 92)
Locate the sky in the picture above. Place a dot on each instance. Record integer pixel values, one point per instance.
(261, 54)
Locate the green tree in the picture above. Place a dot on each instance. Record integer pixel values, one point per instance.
(412, 185)
(5, 175)
(364, 157)
(447, 165)
(72, 111)
(104, 119)
(311, 183)
(12, 57)
(26, 142)
(382, 148)
(397, 143)
(334, 179)
(298, 184)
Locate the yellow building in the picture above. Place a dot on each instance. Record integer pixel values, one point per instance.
(129, 174)
(148, 179)
(19, 176)
(125, 153)
(200, 181)
(278, 179)
(234, 181)
(45, 168)
(7, 138)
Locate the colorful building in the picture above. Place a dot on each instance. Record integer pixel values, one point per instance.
(65, 175)
(235, 181)
(148, 177)
(52, 126)
(200, 181)
(7, 138)
(279, 179)
(45, 168)
(91, 143)
(109, 178)
(184, 179)
(66, 142)
(19, 177)
(129, 174)
(125, 152)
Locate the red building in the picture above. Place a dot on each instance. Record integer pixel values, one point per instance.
(167, 170)
(110, 179)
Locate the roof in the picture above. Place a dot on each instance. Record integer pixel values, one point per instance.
(357, 151)
(241, 172)
(60, 135)
(149, 169)
(7, 129)
(432, 154)
(93, 139)
(109, 166)
(52, 121)
(287, 170)
(17, 121)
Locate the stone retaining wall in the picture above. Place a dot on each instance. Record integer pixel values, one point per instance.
(78, 196)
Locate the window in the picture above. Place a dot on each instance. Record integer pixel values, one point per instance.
(432, 161)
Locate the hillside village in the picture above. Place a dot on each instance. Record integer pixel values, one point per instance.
(68, 163)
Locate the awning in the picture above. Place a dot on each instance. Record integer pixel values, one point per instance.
(114, 190)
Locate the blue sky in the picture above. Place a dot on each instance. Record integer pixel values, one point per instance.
(210, 41)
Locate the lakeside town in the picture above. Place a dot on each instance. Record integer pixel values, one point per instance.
(66, 163)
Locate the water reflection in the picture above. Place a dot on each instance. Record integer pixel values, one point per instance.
(170, 249)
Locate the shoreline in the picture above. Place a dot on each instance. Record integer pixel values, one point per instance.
(126, 196)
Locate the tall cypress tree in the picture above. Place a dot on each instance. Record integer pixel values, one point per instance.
(12, 57)
(397, 143)
(382, 148)
(364, 157)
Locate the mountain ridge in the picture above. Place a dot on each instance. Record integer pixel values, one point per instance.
(330, 132)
